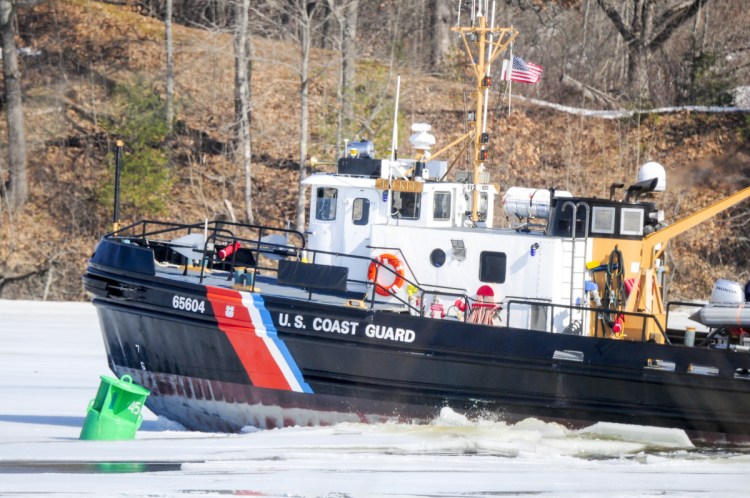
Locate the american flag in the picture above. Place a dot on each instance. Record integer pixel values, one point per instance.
(521, 71)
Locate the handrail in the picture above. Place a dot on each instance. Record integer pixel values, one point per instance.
(406, 262)
(219, 232)
(224, 232)
(553, 306)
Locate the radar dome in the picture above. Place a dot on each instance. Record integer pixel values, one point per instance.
(421, 139)
(653, 170)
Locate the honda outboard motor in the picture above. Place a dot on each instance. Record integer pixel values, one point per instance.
(727, 292)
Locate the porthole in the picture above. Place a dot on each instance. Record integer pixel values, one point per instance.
(437, 258)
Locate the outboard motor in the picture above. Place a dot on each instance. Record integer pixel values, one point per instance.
(728, 292)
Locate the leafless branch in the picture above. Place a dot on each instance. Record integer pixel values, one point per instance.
(616, 19)
(673, 18)
(6, 279)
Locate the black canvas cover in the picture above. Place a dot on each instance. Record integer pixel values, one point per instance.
(313, 276)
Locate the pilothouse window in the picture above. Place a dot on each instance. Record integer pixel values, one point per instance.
(442, 208)
(406, 205)
(325, 204)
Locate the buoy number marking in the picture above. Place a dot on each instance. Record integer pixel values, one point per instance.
(135, 407)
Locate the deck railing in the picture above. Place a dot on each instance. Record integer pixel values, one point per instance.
(255, 240)
(598, 331)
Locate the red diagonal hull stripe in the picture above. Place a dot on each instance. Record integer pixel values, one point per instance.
(251, 350)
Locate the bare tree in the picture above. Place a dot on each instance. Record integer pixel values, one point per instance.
(345, 13)
(18, 188)
(348, 62)
(170, 67)
(646, 32)
(242, 106)
(301, 21)
(304, 15)
(440, 20)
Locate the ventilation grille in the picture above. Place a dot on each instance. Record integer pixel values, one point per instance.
(603, 220)
(631, 221)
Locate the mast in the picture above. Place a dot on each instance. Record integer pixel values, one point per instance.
(482, 45)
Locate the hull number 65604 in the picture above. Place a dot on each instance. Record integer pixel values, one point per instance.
(188, 304)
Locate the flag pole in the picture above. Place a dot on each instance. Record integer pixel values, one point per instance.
(510, 72)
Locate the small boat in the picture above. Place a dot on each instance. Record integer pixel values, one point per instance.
(403, 297)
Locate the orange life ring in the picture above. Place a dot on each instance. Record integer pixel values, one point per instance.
(398, 271)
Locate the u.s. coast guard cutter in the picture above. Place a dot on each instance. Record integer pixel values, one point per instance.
(402, 297)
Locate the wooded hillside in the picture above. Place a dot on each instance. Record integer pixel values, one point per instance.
(95, 72)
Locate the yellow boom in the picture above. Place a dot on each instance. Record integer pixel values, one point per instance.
(647, 298)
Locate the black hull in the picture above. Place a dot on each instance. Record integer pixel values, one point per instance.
(210, 372)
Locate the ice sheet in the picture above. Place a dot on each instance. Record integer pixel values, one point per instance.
(51, 357)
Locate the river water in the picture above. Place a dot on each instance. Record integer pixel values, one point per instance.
(51, 356)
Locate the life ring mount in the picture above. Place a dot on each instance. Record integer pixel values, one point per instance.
(386, 288)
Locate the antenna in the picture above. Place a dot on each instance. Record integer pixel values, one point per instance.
(394, 141)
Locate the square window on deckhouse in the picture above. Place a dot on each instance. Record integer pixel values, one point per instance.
(325, 203)
(492, 267)
(406, 205)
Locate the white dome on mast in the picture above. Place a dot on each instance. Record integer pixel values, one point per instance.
(421, 139)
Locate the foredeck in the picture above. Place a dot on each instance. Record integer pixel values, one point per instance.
(268, 284)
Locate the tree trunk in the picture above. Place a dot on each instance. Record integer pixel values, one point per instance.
(340, 84)
(242, 107)
(348, 64)
(440, 20)
(18, 189)
(638, 81)
(324, 41)
(170, 68)
(304, 95)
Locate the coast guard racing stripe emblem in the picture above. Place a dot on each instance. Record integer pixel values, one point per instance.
(243, 317)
